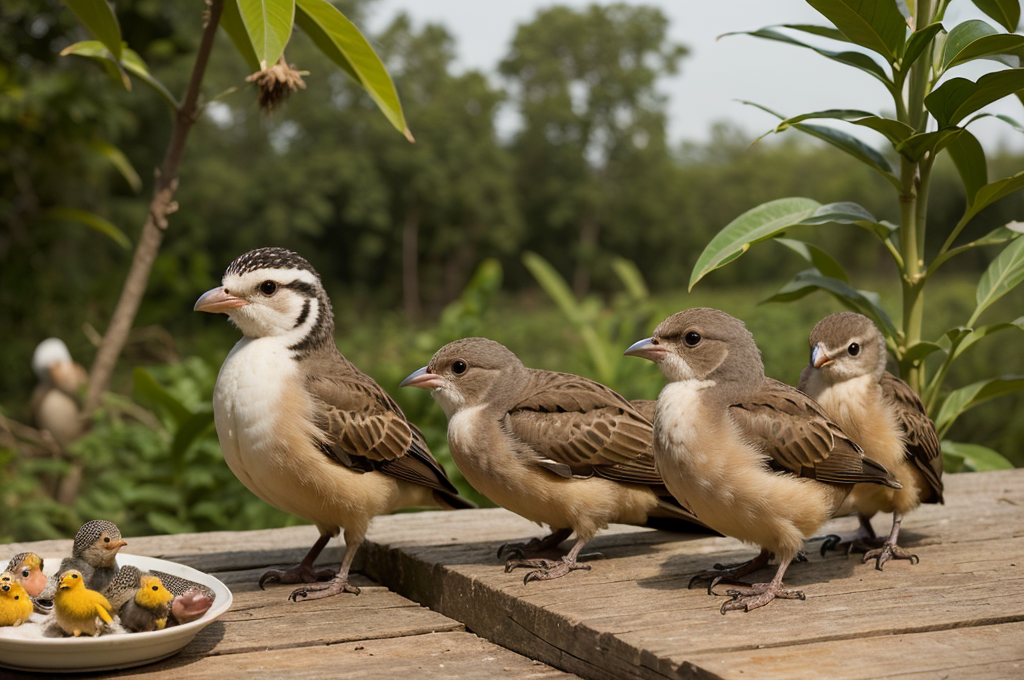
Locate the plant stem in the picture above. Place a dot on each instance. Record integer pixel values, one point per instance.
(152, 235)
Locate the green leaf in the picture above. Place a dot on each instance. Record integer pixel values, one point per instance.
(997, 236)
(990, 193)
(916, 146)
(1002, 276)
(130, 62)
(1006, 12)
(958, 98)
(893, 130)
(757, 224)
(865, 302)
(231, 22)
(969, 158)
(974, 457)
(822, 31)
(847, 143)
(920, 351)
(192, 430)
(917, 43)
(269, 25)
(632, 278)
(978, 40)
(148, 389)
(857, 60)
(821, 260)
(91, 220)
(1016, 125)
(117, 158)
(164, 523)
(966, 398)
(99, 18)
(341, 41)
(983, 332)
(877, 25)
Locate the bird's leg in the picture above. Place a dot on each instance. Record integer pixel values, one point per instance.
(545, 570)
(863, 540)
(337, 585)
(535, 545)
(760, 594)
(304, 571)
(889, 549)
(730, 572)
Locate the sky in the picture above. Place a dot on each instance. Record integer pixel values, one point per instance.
(717, 73)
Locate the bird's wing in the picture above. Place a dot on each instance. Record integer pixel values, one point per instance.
(794, 432)
(103, 609)
(362, 427)
(922, 441)
(579, 427)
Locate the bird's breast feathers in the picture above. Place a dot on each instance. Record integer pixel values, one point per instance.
(858, 406)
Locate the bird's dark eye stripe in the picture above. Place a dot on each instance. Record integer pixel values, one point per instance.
(303, 315)
(302, 288)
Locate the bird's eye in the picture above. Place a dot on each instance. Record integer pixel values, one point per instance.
(156, 587)
(106, 539)
(692, 339)
(459, 367)
(74, 576)
(854, 349)
(268, 288)
(25, 573)
(17, 597)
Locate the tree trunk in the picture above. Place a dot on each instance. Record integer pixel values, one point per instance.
(589, 229)
(152, 235)
(410, 265)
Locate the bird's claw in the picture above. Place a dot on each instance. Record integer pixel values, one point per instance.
(297, 574)
(322, 590)
(758, 595)
(554, 570)
(889, 551)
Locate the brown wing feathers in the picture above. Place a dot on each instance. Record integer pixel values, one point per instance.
(922, 441)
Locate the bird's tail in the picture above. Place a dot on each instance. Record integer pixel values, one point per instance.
(451, 501)
(879, 475)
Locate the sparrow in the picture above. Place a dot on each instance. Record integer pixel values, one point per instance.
(148, 608)
(54, 401)
(93, 555)
(847, 376)
(79, 610)
(15, 603)
(555, 448)
(301, 426)
(753, 457)
(190, 600)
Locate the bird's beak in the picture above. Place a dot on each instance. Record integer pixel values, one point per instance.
(117, 545)
(217, 300)
(819, 358)
(423, 379)
(646, 349)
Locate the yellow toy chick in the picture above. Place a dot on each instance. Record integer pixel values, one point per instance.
(77, 609)
(150, 607)
(15, 604)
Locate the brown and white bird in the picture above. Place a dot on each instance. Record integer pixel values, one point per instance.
(302, 427)
(555, 448)
(753, 457)
(847, 376)
(55, 399)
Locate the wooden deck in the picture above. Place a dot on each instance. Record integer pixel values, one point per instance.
(957, 614)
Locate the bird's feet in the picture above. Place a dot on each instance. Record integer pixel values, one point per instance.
(335, 586)
(190, 605)
(758, 595)
(730, 573)
(534, 545)
(889, 551)
(302, 573)
(546, 570)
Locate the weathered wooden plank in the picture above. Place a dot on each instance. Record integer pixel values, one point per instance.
(631, 616)
(979, 653)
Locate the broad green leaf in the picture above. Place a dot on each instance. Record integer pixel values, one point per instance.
(1016, 125)
(341, 41)
(1002, 276)
(822, 31)
(844, 142)
(269, 25)
(117, 158)
(148, 389)
(958, 98)
(821, 260)
(995, 237)
(966, 398)
(231, 22)
(990, 193)
(976, 458)
(980, 41)
(98, 16)
(983, 332)
(189, 432)
(1006, 12)
(632, 278)
(916, 146)
(920, 351)
(917, 43)
(554, 285)
(877, 25)
(857, 60)
(757, 224)
(969, 158)
(91, 220)
(168, 524)
(865, 302)
(893, 130)
(130, 62)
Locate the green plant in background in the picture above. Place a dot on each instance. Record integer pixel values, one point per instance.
(907, 48)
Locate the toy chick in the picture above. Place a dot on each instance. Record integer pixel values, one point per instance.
(150, 607)
(15, 604)
(78, 610)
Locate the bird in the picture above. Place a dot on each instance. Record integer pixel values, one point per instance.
(190, 600)
(847, 376)
(27, 569)
(54, 401)
(148, 608)
(301, 426)
(93, 555)
(79, 610)
(556, 448)
(754, 458)
(15, 603)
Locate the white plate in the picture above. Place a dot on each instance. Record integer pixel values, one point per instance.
(107, 652)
